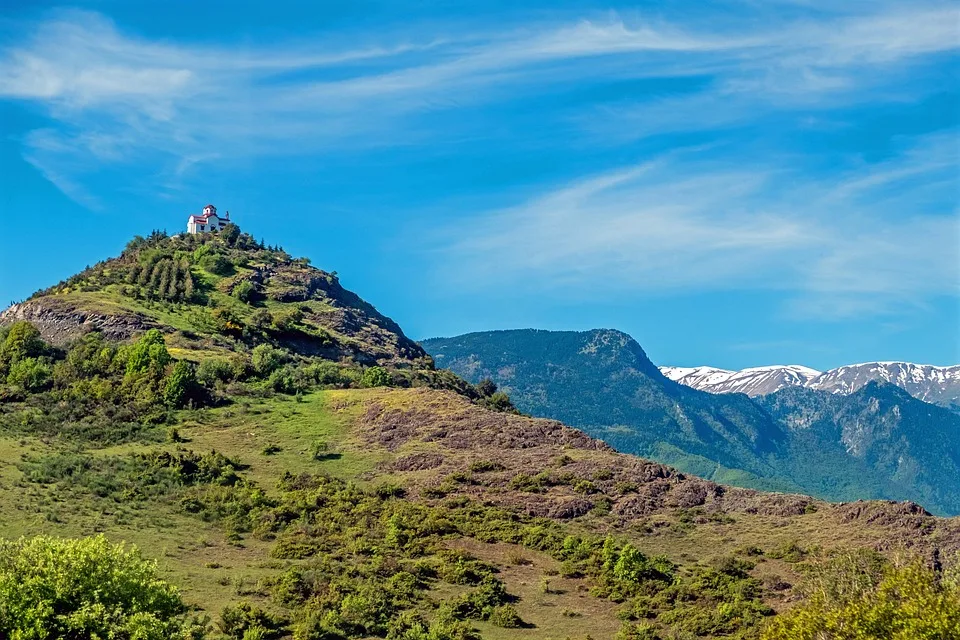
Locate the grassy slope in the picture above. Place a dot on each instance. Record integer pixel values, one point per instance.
(214, 571)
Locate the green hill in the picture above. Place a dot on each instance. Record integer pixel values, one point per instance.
(877, 443)
(300, 469)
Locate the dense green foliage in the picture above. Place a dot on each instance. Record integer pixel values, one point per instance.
(878, 442)
(860, 595)
(367, 558)
(52, 588)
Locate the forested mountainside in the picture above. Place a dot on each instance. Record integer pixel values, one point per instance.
(877, 442)
(290, 465)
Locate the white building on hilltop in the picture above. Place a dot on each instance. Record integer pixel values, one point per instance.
(207, 221)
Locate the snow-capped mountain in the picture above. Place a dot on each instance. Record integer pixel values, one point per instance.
(937, 385)
(755, 381)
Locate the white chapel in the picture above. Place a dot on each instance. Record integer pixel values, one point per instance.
(207, 221)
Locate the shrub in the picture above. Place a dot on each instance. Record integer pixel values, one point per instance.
(181, 386)
(499, 401)
(217, 264)
(857, 595)
(85, 588)
(261, 320)
(327, 373)
(483, 466)
(149, 354)
(245, 622)
(266, 359)
(376, 377)
(288, 321)
(505, 616)
(245, 291)
(226, 321)
(33, 374)
(212, 370)
(486, 387)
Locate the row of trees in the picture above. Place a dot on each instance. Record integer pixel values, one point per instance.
(165, 279)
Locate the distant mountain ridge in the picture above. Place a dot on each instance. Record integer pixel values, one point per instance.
(933, 384)
(877, 441)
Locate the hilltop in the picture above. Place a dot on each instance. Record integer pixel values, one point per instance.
(302, 469)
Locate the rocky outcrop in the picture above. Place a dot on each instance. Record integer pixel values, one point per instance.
(59, 322)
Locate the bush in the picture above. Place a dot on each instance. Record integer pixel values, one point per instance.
(376, 377)
(505, 616)
(486, 387)
(245, 291)
(181, 386)
(149, 354)
(217, 264)
(245, 622)
(85, 588)
(857, 595)
(261, 320)
(499, 401)
(267, 359)
(288, 321)
(212, 370)
(33, 374)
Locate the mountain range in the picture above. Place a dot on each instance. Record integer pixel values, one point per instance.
(937, 385)
(876, 441)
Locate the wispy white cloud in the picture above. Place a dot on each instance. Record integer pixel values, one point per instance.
(686, 223)
(119, 98)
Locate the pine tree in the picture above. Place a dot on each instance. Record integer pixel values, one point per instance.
(164, 284)
(134, 274)
(188, 290)
(144, 278)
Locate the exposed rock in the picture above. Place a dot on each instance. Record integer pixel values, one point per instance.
(59, 322)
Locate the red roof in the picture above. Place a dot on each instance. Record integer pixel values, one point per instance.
(204, 219)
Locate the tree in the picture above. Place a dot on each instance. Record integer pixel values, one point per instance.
(33, 374)
(149, 353)
(486, 387)
(217, 264)
(85, 588)
(22, 341)
(244, 291)
(230, 234)
(181, 385)
(859, 595)
(266, 359)
(376, 377)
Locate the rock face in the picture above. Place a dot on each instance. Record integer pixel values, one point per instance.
(59, 321)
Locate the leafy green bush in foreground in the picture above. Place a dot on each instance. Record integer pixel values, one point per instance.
(860, 595)
(87, 588)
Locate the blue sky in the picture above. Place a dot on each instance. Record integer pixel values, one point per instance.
(738, 184)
